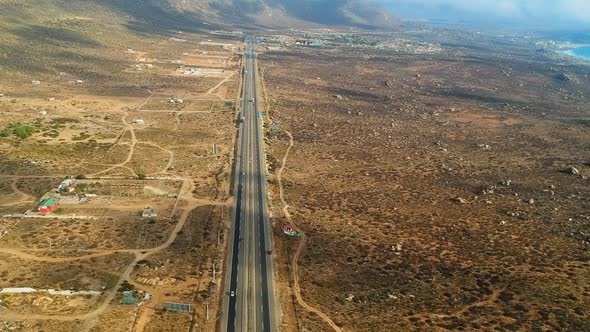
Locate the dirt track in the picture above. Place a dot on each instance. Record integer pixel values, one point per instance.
(24, 197)
(186, 195)
(128, 127)
(300, 247)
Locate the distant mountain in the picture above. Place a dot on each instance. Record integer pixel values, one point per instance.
(276, 13)
(193, 14)
(284, 13)
(44, 37)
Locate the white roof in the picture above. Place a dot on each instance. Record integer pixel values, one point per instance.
(18, 290)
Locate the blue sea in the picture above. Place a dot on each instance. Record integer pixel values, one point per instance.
(580, 52)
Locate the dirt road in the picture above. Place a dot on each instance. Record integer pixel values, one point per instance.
(295, 263)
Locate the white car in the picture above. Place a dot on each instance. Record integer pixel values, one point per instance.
(232, 294)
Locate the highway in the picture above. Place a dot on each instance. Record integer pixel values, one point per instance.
(249, 303)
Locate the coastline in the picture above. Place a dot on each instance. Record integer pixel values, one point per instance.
(572, 52)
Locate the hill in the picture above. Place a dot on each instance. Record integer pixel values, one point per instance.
(284, 13)
(36, 32)
(191, 15)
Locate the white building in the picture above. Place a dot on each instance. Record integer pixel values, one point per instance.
(149, 213)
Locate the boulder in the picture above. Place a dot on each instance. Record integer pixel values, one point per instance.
(459, 200)
(564, 77)
(571, 170)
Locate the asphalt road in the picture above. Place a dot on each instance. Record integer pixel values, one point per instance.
(250, 297)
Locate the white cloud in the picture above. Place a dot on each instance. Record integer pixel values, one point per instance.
(547, 10)
(579, 9)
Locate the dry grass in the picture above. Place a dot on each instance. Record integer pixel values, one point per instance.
(88, 128)
(98, 273)
(372, 178)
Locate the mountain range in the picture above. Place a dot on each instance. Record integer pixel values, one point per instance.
(194, 14)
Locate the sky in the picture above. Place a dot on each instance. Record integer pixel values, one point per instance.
(538, 13)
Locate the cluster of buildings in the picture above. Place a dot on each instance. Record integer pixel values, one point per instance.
(141, 67)
(66, 188)
(66, 193)
(410, 46)
(311, 43)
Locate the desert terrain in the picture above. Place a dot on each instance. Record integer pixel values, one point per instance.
(435, 191)
(140, 124)
(430, 179)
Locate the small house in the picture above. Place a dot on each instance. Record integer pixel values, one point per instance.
(67, 186)
(48, 205)
(149, 213)
(291, 231)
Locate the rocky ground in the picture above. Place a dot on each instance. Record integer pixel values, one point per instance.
(439, 192)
